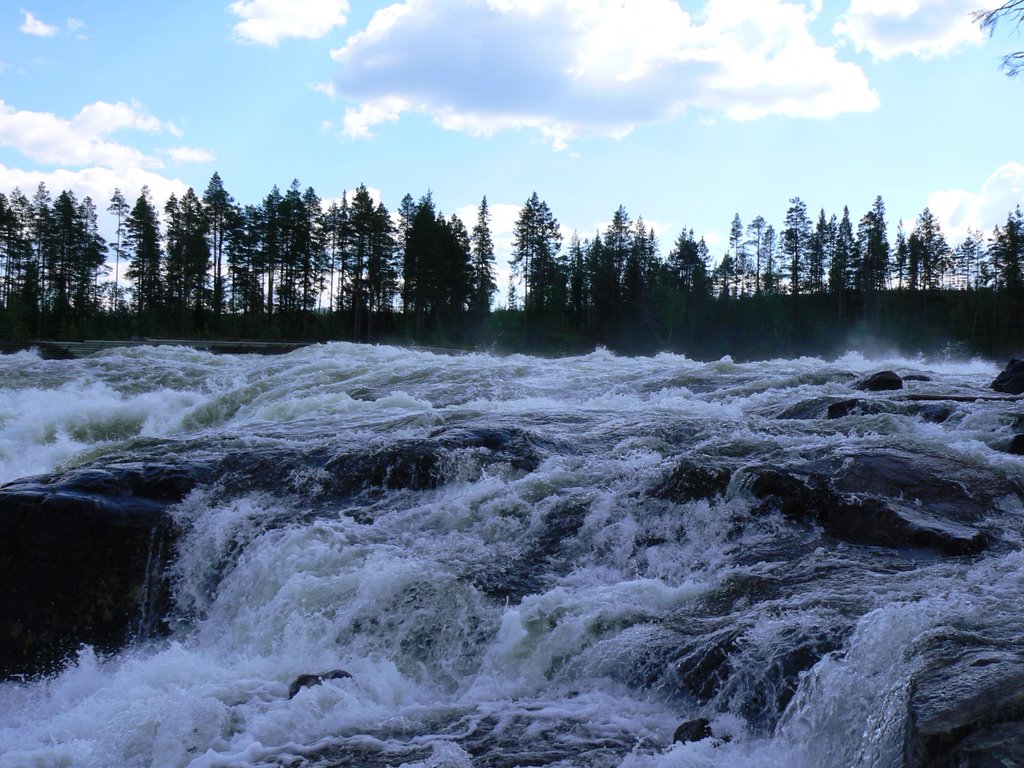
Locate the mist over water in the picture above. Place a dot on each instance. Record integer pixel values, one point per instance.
(537, 603)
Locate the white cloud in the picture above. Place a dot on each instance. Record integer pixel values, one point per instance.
(82, 140)
(327, 89)
(922, 28)
(577, 68)
(267, 22)
(33, 26)
(74, 26)
(97, 183)
(959, 210)
(183, 155)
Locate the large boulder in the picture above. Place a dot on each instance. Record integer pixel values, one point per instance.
(888, 497)
(880, 382)
(966, 703)
(1011, 379)
(81, 556)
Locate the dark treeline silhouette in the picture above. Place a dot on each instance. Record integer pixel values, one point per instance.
(293, 267)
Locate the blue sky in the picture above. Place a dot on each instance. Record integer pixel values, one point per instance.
(683, 112)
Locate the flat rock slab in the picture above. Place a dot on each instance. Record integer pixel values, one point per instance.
(889, 497)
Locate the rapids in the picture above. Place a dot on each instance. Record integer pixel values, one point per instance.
(541, 604)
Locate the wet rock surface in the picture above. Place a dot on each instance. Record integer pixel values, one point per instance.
(1011, 379)
(889, 498)
(966, 704)
(880, 382)
(82, 558)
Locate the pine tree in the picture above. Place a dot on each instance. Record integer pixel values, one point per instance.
(483, 284)
(220, 211)
(142, 239)
(796, 240)
(119, 209)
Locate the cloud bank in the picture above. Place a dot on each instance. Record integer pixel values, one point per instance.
(590, 68)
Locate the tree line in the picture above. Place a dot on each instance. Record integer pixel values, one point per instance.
(298, 267)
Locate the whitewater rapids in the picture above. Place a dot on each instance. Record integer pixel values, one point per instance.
(510, 615)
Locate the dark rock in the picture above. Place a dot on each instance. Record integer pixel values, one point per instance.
(805, 409)
(1011, 379)
(880, 382)
(693, 730)
(858, 407)
(690, 480)
(889, 498)
(307, 681)
(916, 377)
(966, 706)
(936, 413)
(81, 560)
(1016, 446)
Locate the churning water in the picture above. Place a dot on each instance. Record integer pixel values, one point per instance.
(536, 600)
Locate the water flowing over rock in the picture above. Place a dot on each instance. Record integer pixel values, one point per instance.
(506, 561)
(83, 556)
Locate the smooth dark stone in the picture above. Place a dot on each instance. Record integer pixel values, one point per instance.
(83, 555)
(916, 377)
(693, 730)
(1011, 379)
(880, 382)
(307, 681)
(1016, 445)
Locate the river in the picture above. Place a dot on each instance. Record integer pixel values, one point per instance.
(504, 556)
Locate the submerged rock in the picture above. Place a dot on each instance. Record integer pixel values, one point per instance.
(692, 480)
(309, 680)
(888, 497)
(82, 555)
(693, 730)
(880, 382)
(1011, 379)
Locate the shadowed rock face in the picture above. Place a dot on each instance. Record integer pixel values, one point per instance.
(888, 498)
(880, 382)
(966, 705)
(1011, 379)
(81, 558)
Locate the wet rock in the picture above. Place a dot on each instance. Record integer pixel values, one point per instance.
(880, 382)
(888, 498)
(937, 413)
(309, 680)
(411, 465)
(691, 480)
(966, 705)
(858, 407)
(81, 560)
(424, 464)
(805, 409)
(1011, 379)
(516, 447)
(916, 377)
(1016, 446)
(693, 730)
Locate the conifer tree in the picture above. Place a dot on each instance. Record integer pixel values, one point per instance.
(483, 283)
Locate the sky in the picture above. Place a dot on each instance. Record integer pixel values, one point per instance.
(686, 113)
